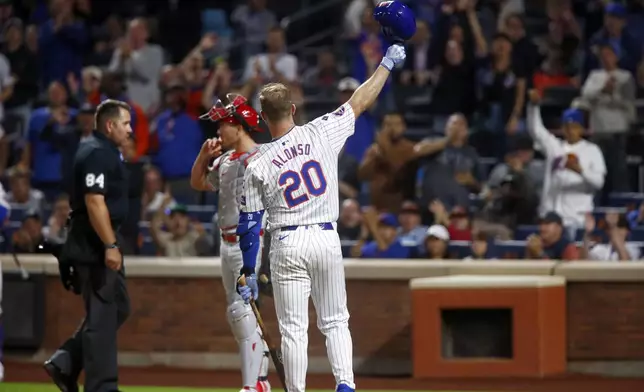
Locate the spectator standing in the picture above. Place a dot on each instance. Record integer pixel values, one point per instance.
(41, 155)
(609, 93)
(62, 41)
(451, 168)
(365, 125)
(455, 87)
(67, 139)
(141, 63)
(253, 20)
(519, 160)
(616, 33)
(325, 74)
(575, 168)
(388, 165)
(25, 68)
(502, 89)
(180, 138)
(524, 52)
(617, 248)
(552, 242)
(416, 68)
(275, 65)
(113, 87)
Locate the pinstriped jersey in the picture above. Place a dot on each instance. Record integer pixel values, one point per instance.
(226, 175)
(294, 178)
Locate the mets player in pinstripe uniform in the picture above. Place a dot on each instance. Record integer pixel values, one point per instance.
(225, 174)
(294, 179)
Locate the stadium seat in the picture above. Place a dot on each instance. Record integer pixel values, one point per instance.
(523, 232)
(458, 249)
(510, 249)
(637, 234)
(629, 200)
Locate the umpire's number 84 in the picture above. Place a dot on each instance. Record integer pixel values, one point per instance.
(92, 179)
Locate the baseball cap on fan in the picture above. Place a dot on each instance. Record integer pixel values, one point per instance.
(573, 116)
(438, 232)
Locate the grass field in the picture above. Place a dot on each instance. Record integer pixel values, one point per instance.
(20, 387)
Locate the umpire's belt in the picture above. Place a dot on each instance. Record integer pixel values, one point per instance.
(323, 226)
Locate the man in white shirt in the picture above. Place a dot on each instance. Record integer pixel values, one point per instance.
(141, 63)
(609, 93)
(275, 65)
(575, 168)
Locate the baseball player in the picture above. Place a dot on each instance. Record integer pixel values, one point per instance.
(294, 179)
(225, 175)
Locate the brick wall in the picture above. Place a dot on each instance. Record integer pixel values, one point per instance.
(605, 320)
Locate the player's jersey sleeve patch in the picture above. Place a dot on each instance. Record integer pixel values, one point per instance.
(340, 111)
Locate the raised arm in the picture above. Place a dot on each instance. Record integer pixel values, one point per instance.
(203, 178)
(544, 139)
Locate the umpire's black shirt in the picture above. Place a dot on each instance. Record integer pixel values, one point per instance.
(98, 168)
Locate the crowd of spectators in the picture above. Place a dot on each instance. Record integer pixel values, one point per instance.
(465, 155)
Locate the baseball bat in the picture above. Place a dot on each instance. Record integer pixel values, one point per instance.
(276, 355)
(23, 271)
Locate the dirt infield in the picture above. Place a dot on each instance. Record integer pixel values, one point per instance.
(163, 376)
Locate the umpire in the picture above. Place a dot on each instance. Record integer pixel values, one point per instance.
(91, 262)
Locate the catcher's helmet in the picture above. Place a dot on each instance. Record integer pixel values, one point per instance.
(397, 20)
(237, 112)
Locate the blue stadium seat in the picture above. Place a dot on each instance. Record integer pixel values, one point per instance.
(458, 249)
(510, 249)
(147, 247)
(522, 232)
(637, 234)
(17, 213)
(627, 199)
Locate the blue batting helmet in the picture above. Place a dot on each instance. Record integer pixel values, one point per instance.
(397, 20)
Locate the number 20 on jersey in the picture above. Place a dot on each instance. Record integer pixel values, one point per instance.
(314, 181)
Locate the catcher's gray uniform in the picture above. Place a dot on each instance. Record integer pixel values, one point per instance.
(226, 176)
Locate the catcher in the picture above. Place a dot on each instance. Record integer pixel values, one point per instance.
(224, 173)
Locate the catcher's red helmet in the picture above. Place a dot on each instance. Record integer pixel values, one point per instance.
(237, 112)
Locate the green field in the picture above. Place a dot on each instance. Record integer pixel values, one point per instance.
(20, 387)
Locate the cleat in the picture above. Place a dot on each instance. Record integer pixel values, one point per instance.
(344, 388)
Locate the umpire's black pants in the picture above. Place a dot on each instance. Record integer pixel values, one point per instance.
(93, 345)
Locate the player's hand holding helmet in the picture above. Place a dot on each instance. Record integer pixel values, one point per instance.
(398, 25)
(247, 287)
(394, 57)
